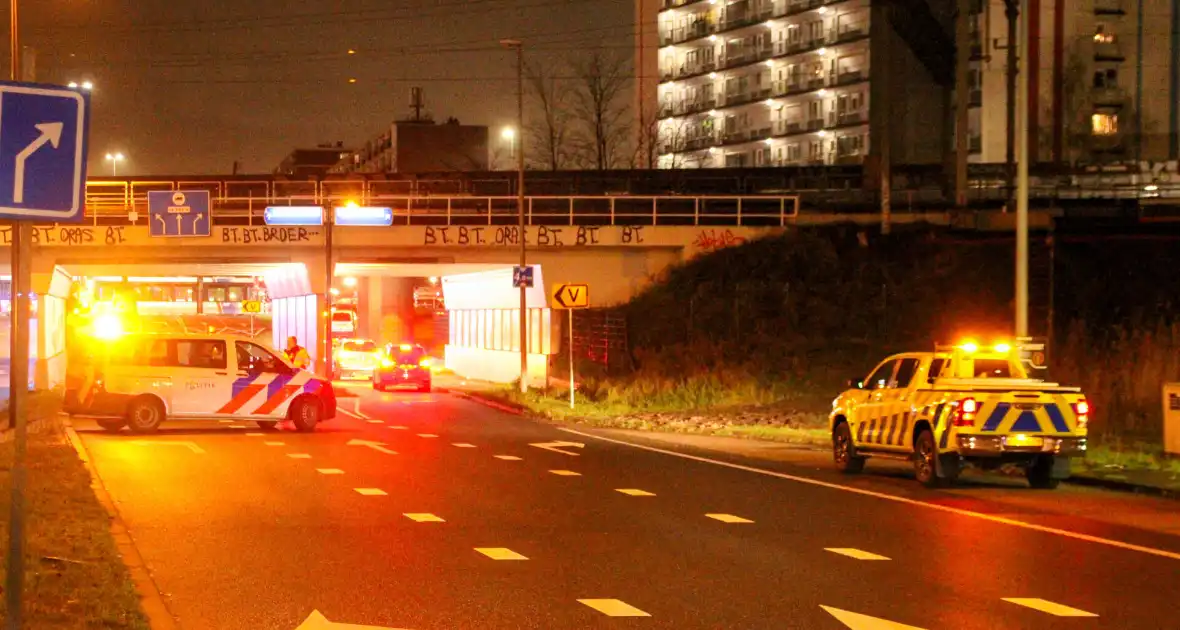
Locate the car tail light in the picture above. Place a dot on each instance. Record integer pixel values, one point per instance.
(1081, 409)
(387, 362)
(965, 414)
(425, 362)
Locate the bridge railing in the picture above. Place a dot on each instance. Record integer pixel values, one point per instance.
(111, 204)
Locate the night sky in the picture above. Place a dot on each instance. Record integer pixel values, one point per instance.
(189, 86)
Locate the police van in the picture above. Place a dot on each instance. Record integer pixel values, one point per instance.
(141, 380)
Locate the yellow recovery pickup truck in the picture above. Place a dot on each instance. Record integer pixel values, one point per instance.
(957, 406)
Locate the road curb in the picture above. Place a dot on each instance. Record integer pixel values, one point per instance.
(152, 601)
(1123, 486)
(511, 408)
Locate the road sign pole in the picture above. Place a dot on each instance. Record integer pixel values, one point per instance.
(571, 353)
(18, 388)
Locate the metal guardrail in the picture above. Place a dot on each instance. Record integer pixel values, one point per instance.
(109, 203)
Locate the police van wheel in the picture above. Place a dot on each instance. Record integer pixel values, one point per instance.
(145, 414)
(266, 425)
(112, 424)
(844, 451)
(1040, 474)
(925, 460)
(305, 414)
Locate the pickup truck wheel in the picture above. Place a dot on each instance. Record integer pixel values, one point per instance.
(925, 457)
(844, 451)
(1040, 474)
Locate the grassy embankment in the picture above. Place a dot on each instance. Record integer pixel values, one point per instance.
(756, 340)
(74, 577)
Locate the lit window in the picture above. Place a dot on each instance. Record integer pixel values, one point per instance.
(1102, 36)
(1104, 124)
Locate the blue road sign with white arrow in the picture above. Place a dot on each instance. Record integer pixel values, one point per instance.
(43, 141)
(178, 212)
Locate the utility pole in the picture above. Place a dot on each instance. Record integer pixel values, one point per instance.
(18, 384)
(1022, 115)
(1012, 12)
(524, 318)
(962, 100)
(329, 278)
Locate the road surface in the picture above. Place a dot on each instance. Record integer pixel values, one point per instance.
(425, 511)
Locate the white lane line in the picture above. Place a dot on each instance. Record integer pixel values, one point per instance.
(375, 421)
(1046, 606)
(635, 492)
(614, 608)
(566, 473)
(299, 455)
(463, 445)
(399, 427)
(226, 421)
(255, 434)
(500, 553)
(274, 443)
(370, 492)
(508, 458)
(329, 471)
(427, 435)
(728, 518)
(858, 554)
(1171, 555)
(347, 412)
(423, 517)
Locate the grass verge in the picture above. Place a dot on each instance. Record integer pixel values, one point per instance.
(778, 422)
(74, 578)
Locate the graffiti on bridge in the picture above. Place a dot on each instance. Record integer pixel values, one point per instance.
(58, 235)
(267, 235)
(717, 239)
(539, 236)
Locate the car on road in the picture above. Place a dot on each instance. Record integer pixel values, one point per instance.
(956, 407)
(142, 380)
(356, 359)
(403, 365)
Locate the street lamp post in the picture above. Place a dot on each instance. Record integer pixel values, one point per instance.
(524, 333)
(114, 159)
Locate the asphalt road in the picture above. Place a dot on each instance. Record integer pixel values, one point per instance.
(425, 511)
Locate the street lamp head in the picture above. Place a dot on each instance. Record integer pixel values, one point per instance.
(118, 156)
(73, 85)
(110, 156)
(508, 133)
(87, 85)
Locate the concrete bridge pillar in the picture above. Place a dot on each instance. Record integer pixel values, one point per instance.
(386, 309)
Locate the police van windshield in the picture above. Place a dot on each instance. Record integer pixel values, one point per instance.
(359, 346)
(342, 316)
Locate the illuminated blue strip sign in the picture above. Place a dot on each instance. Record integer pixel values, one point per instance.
(294, 215)
(363, 216)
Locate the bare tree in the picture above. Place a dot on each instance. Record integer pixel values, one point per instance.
(648, 145)
(600, 105)
(549, 130)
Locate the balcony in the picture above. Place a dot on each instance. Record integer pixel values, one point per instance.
(1108, 51)
(787, 127)
(846, 32)
(745, 19)
(1108, 96)
(846, 119)
(1109, 7)
(675, 4)
(849, 76)
(975, 98)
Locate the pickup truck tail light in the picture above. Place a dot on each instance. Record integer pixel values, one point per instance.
(965, 413)
(1081, 409)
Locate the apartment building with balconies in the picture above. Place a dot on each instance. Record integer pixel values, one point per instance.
(1105, 85)
(796, 82)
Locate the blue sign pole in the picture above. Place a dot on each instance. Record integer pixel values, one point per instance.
(43, 142)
